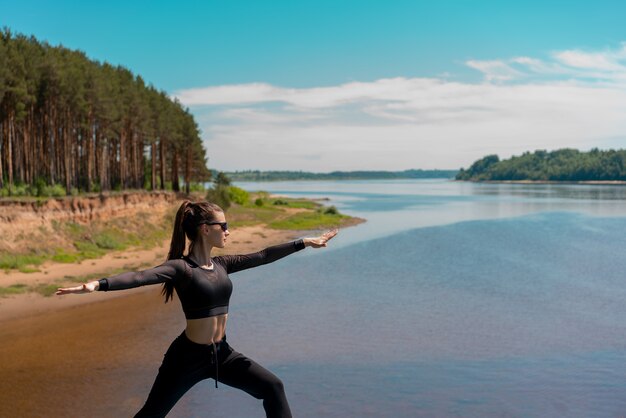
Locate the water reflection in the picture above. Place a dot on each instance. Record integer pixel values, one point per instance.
(392, 206)
(554, 191)
(442, 187)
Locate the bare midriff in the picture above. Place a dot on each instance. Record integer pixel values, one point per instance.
(207, 330)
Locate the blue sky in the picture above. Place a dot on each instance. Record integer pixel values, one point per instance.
(330, 85)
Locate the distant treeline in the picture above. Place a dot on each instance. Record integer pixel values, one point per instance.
(560, 165)
(339, 175)
(88, 126)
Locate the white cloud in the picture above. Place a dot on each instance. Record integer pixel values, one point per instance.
(495, 70)
(605, 61)
(574, 100)
(607, 65)
(584, 60)
(317, 97)
(224, 95)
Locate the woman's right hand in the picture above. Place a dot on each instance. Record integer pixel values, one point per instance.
(83, 288)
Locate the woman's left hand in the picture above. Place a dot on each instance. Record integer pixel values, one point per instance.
(322, 240)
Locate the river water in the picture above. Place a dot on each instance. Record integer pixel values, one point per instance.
(453, 300)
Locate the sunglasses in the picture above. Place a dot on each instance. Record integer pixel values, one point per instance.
(223, 225)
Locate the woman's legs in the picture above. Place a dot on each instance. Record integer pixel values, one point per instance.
(166, 391)
(238, 371)
(186, 363)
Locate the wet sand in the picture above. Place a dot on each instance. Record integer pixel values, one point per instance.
(92, 360)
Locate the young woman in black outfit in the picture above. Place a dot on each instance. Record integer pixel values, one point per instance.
(204, 289)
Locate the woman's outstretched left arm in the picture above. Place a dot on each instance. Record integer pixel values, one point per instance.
(234, 263)
(83, 288)
(321, 241)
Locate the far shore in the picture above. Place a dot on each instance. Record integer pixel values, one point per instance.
(590, 182)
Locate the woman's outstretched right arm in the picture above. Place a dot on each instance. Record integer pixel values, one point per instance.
(169, 270)
(83, 288)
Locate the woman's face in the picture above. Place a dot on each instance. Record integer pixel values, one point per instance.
(217, 231)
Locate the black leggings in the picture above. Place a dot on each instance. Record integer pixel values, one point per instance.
(186, 363)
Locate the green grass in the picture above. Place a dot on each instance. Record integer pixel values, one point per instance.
(49, 289)
(63, 257)
(14, 289)
(106, 240)
(28, 269)
(292, 203)
(310, 220)
(252, 215)
(21, 262)
(93, 241)
(272, 212)
(44, 289)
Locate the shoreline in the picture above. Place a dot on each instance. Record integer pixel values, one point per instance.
(243, 239)
(30, 292)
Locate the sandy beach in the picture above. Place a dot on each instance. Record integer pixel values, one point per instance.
(93, 355)
(245, 239)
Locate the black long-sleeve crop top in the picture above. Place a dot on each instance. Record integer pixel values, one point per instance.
(203, 293)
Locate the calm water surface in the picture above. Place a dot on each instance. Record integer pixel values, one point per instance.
(453, 300)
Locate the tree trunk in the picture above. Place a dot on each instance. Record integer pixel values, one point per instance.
(67, 154)
(153, 157)
(138, 179)
(188, 170)
(105, 176)
(18, 151)
(10, 153)
(31, 169)
(175, 184)
(90, 140)
(141, 162)
(162, 163)
(131, 166)
(3, 135)
(51, 143)
(123, 159)
(113, 161)
(27, 148)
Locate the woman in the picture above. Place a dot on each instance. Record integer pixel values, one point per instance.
(204, 289)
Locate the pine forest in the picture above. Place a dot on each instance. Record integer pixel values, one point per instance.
(86, 126)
